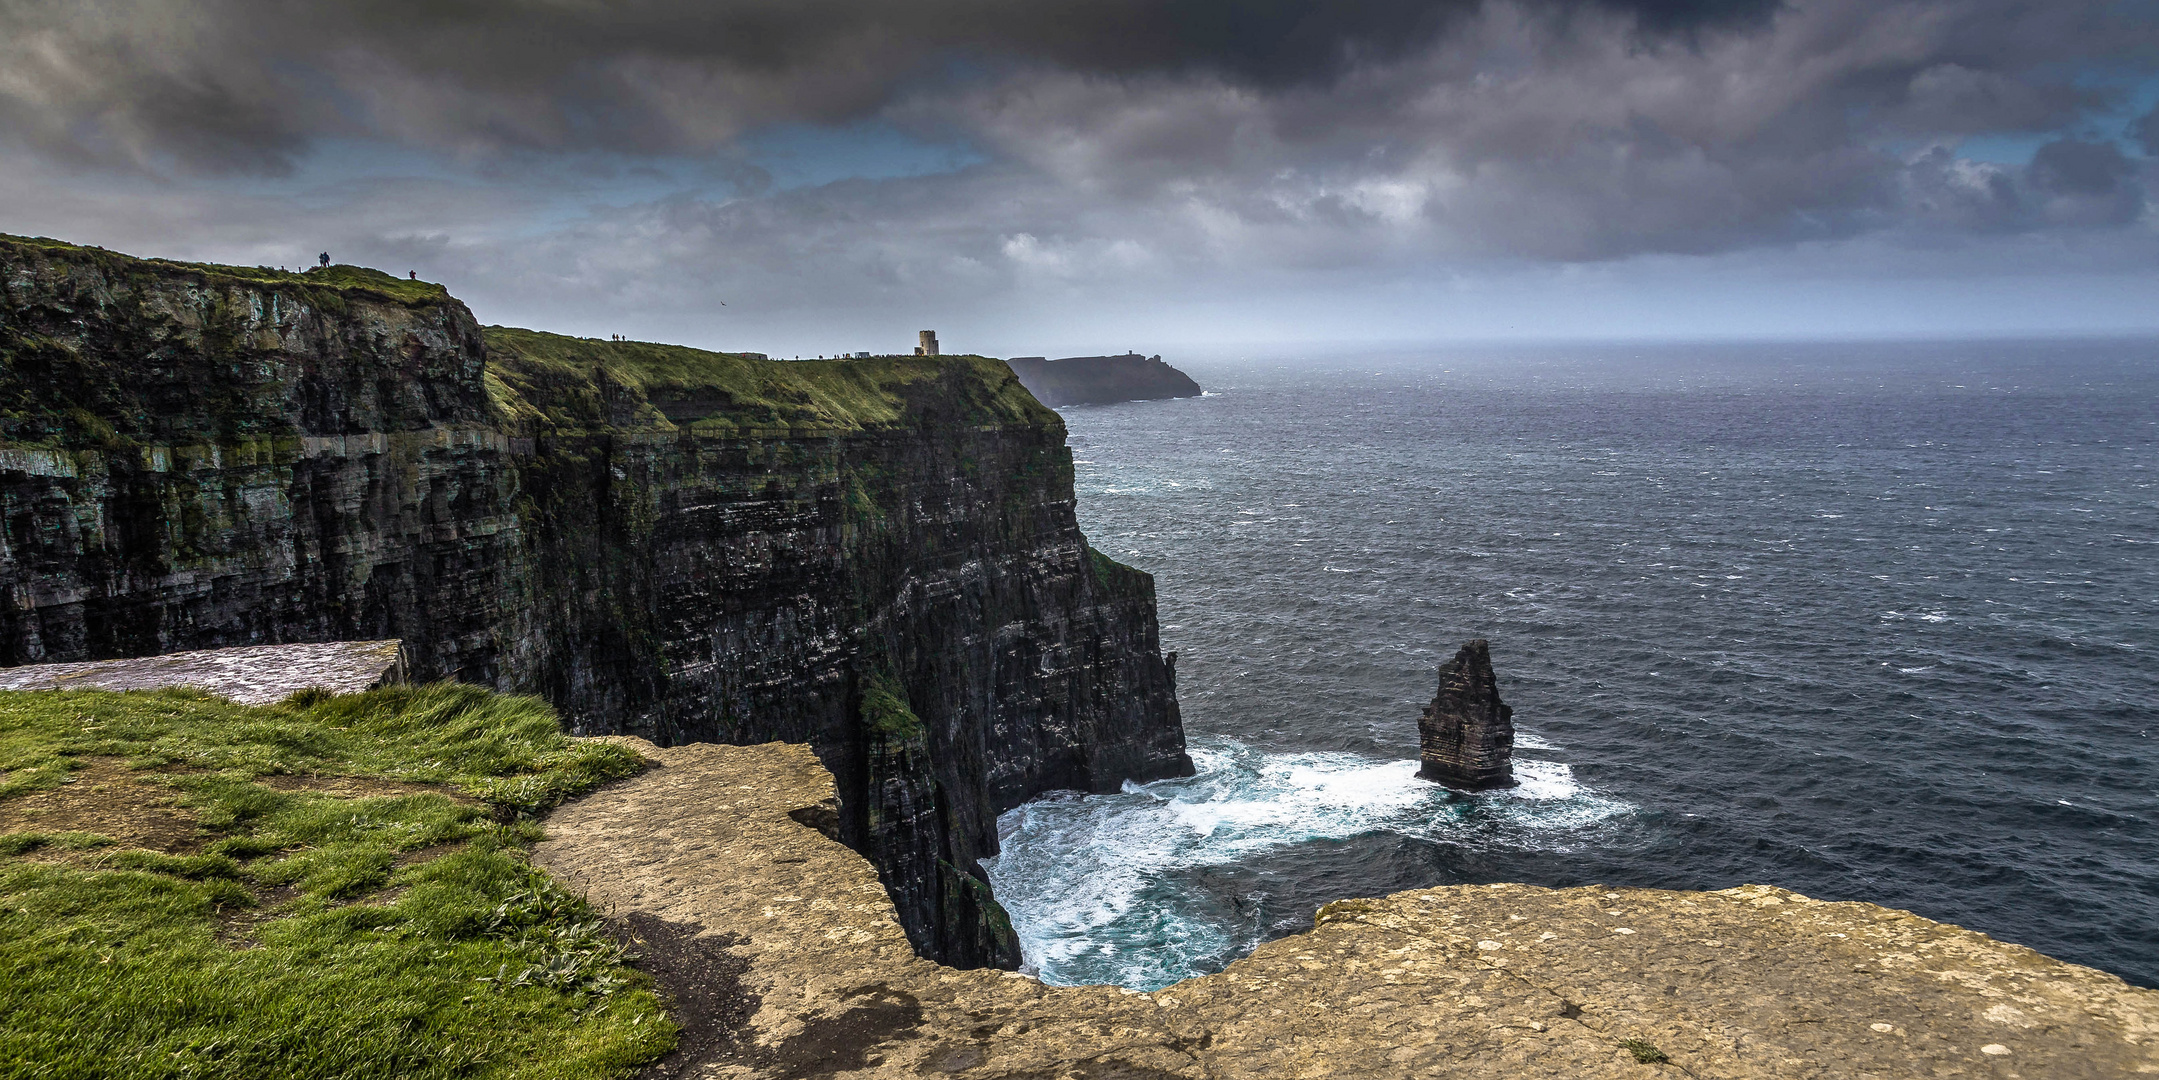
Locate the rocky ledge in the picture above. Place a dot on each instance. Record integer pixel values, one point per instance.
(784, 959)
(248, 674)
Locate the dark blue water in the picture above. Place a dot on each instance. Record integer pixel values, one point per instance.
(1868, 622)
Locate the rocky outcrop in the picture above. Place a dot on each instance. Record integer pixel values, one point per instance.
(1465, 739)
(699, 855)
(248, 674)
(1101, 380)
(672, 543)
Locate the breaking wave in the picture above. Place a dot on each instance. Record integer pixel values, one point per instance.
(1113, 889)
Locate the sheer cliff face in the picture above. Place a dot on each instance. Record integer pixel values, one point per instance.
(798, 534)
(661, 541)
(192, 460)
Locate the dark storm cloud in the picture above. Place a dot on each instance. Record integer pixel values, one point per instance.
(2078, 168)
(2146, 132)
(2086, 183)
(1116, 145)
(1515, 137)
(241, 84)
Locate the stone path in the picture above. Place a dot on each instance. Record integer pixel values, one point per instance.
(248, 674)
(798, 970)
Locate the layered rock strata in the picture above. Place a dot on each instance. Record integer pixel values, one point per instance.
(1465, 739)
(704, 858)
(673, 543)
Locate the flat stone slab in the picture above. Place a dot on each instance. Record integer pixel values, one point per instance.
(248, 674)
(807, 973)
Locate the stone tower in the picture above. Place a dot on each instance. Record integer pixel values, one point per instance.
(1466, 737)
(928, 346)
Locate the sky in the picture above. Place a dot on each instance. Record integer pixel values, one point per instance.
(805, 177)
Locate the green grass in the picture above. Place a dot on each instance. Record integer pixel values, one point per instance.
(337, 278)
(310, 936)
(573, 384)
(1105, 568)
(1643, 1051)
(885, 711)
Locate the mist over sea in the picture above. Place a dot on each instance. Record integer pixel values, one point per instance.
(1867, 621)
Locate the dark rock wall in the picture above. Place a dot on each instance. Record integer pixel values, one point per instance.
(1465, 738)
(191, 458)
(1101, 380)
(188, 461)
(741, 591)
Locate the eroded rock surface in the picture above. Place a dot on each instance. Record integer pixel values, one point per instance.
(250, 674)
(1466, 737)
(814, 978)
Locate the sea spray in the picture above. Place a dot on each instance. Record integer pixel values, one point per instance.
(1126, 888)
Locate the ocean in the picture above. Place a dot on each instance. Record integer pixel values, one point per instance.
(1866, 621)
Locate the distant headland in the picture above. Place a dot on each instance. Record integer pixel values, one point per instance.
(1101, 380)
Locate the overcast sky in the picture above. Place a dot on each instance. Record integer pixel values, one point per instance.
(1063, 176)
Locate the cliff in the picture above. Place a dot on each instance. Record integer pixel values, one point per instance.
(877, 558)
(701, 856)
(1101, 380)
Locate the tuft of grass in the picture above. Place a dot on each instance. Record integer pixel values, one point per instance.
(397, 935)
(1106, 569)
(1643, 1051)
(885, 711)
(20, 843)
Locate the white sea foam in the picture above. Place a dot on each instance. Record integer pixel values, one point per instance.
(1543, 781)
(1291, 798)
(1092, 882)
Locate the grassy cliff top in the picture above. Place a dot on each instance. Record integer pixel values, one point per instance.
(339, 278)
(552, 382)
(570, 383)
(330, 886)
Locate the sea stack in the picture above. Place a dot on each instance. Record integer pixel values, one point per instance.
(1466, 737)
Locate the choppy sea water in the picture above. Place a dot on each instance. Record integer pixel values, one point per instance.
(1870, 621)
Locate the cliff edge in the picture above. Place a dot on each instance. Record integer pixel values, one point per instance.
(1101, 380)
(784, 960)
(878, 558)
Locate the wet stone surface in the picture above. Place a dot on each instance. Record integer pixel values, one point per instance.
(1461, 981)
(248, 674)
